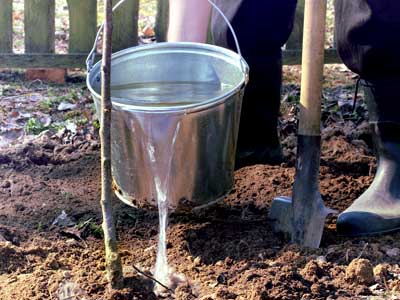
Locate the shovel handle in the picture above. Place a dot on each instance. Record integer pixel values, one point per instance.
(312, 67)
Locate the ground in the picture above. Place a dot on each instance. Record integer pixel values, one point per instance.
(51, 243)
(49, 163)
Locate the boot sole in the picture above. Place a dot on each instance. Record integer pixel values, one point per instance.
(369, 234)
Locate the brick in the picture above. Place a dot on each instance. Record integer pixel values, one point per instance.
(47, 75)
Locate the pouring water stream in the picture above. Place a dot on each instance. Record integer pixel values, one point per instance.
(161, 168)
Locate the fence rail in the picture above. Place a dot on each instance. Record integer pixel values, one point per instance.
(39, 28)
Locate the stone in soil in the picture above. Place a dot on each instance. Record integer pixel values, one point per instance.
(360, 271)
(312, 271)
(381, 271)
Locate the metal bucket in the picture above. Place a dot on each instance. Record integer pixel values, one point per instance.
(202, 163)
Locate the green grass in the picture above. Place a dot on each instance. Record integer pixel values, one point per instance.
(40, 226)
(34, 126)
(81, 121)
(46, 105)
(53, 101)
(96, 124)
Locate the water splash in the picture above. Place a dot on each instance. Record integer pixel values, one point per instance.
(162, 272)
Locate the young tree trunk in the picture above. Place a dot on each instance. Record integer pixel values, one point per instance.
(113, 260)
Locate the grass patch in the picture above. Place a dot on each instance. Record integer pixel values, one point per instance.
(34, 126)
(96, 124)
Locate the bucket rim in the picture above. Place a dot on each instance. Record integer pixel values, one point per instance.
(241, 63)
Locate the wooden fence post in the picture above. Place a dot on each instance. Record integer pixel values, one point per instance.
(39, 26)
(40, 35)
(82, 25)
(161, 27)
(125, 33)
(6, 26)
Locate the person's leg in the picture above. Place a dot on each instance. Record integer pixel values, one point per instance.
(367, 33)
(262, 28)
(368, 39)
(188, 20)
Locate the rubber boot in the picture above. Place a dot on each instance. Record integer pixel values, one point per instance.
(258, 141)
(377, 210)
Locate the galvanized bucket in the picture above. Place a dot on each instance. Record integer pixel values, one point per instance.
(203, 124)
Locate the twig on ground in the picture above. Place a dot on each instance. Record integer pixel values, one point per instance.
(152, 278)
(188, 248)
(246, 244)
(362, 250)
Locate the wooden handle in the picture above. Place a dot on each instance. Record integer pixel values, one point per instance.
(312, 67)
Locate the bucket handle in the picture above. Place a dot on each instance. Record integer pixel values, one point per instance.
(243, 64)
(92, 53)
(229, 25)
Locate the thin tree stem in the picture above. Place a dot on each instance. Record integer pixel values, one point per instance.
(113, 260)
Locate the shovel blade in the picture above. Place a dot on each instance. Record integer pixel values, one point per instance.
(281, 215)
(308, 223)
(302, 230)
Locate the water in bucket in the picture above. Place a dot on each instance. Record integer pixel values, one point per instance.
(167, 94)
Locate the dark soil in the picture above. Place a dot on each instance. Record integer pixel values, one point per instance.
(227, 252)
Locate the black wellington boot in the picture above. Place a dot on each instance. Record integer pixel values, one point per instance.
(377, 210)
(258, 141)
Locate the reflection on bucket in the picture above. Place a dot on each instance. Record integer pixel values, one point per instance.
(202, 85)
